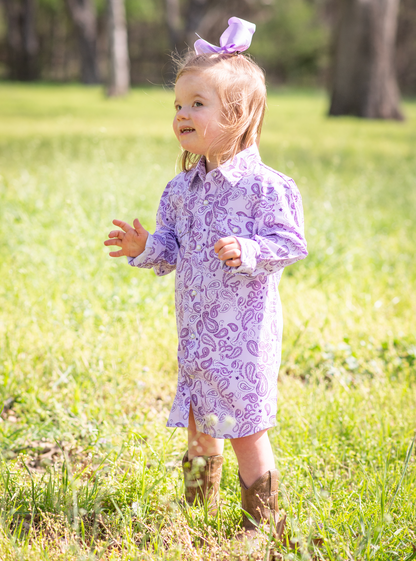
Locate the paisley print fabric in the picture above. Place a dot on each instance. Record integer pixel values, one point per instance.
(229, 319)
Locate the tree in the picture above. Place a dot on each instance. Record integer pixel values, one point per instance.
(119, 75)
(182, 28)
(21, 39)
(173, 22)
(208, 17)
(364, 81)
(196, 11)
(83, 15)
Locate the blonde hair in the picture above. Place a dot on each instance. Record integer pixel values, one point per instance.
(240, 84)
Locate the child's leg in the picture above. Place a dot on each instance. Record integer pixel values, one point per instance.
(200, 444)
(259, 485)
(255, 456)
(202, 474)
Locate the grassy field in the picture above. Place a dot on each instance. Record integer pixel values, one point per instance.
(88, 345)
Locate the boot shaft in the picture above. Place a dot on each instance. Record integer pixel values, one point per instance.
(260, 502)
(202, 476)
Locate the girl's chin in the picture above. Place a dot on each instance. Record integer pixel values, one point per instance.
(192, 149)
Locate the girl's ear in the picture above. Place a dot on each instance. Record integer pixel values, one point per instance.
(239, 110)
(233, 111)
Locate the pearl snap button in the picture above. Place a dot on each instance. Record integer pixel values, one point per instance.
(192, 335)
(235, 230)
(198, 247)
(193, 293)
(205, 202)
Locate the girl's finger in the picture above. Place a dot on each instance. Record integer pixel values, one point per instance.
(225, 248)
(116, 253)
(223, 242)
(229, 254)
(113, 242)
(137, 226)
(116, 234)
(234, 262)
(123, 225)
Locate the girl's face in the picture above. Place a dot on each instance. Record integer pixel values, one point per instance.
(198, 114)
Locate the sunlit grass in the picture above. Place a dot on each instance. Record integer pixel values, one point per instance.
(88, 345)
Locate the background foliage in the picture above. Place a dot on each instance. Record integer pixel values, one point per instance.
(293, 40)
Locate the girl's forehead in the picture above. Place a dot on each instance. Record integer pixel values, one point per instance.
(195, 79)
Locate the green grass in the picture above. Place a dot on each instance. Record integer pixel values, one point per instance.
(88, 345)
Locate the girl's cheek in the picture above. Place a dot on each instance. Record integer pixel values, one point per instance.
(175, 128)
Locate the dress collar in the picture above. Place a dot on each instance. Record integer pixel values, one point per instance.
(232, 170)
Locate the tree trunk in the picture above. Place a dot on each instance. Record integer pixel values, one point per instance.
(119, 76)
(364, 81)
(84, 17)
(195, 13)
(21, 39)
(173, 21)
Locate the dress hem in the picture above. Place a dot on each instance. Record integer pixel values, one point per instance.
(225, 436)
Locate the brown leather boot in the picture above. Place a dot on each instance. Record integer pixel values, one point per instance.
(260, 502)
(202, 477)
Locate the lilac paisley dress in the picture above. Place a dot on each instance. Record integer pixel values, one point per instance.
(229, 319)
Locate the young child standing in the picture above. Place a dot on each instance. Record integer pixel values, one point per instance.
(228, 225)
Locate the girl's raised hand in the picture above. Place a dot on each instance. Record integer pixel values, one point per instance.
(229, 250)
(132, 240)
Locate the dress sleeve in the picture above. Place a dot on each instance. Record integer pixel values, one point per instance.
(279, 239)
(162, 247)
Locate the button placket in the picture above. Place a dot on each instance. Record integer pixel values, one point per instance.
(194, 293)
(205, 203)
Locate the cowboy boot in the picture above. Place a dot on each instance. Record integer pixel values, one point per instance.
(260, 502)
(202, 476)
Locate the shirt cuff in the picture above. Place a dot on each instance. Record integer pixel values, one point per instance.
(140, 259)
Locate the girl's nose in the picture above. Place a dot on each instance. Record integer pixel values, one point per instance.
(181, 114)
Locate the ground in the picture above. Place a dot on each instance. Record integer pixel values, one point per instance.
(87, 344)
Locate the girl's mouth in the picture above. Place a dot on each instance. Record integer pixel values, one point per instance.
(186, 130)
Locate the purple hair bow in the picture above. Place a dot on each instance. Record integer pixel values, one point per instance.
(235, 39)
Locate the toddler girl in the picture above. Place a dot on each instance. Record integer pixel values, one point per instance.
(228, 225)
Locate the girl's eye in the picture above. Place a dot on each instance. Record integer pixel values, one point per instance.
(198, 104)
(178, 107)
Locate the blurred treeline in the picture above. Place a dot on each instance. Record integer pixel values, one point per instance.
(293, 42)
